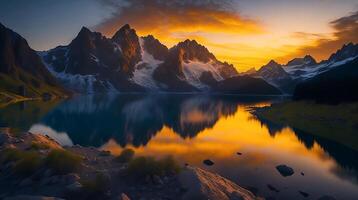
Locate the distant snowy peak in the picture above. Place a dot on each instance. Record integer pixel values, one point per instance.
(347, 51)
(305, 70)
(274, 74)
(300, 69)
(251, 71)
(305, 61)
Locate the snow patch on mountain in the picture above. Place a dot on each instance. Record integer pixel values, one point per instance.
(194, 69)
(143, 73)
(306, 72)
(77, 82)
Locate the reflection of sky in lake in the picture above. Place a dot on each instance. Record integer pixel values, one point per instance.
(260, 154)
(194, 128)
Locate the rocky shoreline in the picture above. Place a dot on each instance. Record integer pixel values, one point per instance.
(34, 166)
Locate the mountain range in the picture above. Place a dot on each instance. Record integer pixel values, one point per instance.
(94, 63)
(299, 70)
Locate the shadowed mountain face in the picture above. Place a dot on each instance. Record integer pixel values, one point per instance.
(246, 85)
(305, 61)
(275, 74)
(92, 63)
(334, 86)
(21, 69)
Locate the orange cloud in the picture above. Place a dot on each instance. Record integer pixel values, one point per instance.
(239, 40)
(171, 21)
(345, 31)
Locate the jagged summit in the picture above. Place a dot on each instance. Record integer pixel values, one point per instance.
(271, 63)
(347, 51)
(305, 61)
(125, 30)
(84, 30)
(194, 51)
(153, 46)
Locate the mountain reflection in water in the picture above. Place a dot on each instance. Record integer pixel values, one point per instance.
(197, 127)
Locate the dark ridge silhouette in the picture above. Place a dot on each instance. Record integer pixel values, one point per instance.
(337, 85)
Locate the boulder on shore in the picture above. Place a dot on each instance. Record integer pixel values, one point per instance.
(285, 170)
(201, 184)
(208, 162)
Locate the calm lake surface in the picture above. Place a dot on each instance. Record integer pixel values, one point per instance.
(193, 128)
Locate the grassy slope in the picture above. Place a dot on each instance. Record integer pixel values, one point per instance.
(335, 122)
(9, 88)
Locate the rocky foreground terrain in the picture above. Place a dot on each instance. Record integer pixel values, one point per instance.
(36, 167)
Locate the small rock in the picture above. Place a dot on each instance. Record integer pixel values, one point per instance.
(4, 138)
(148, 180)
(124, 197)
(71, 178)
(25, 182)
(208, 162)
(304, 194)
(46, 181)
(74, 186)
(9, 165)
(272, 188)
(285, 170)
(166, 179)
(54, 179)
(48, 173)
(157, 180)
(302, 174)
(239, 153)
(326, 197)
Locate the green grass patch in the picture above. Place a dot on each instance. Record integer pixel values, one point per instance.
(26, 162)
(63, 162)
(125, 156)
(141, 167)
(335, 122)
(97, 187)
(39, 146)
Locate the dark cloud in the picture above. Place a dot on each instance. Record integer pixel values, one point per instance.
(345, 31)
(166, 19)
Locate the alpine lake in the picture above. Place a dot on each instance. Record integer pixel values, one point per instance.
(193, 128)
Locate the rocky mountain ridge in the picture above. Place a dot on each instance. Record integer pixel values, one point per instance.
(92, 63)
(299, 70)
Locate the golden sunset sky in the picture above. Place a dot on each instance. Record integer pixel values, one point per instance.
(246, 33)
